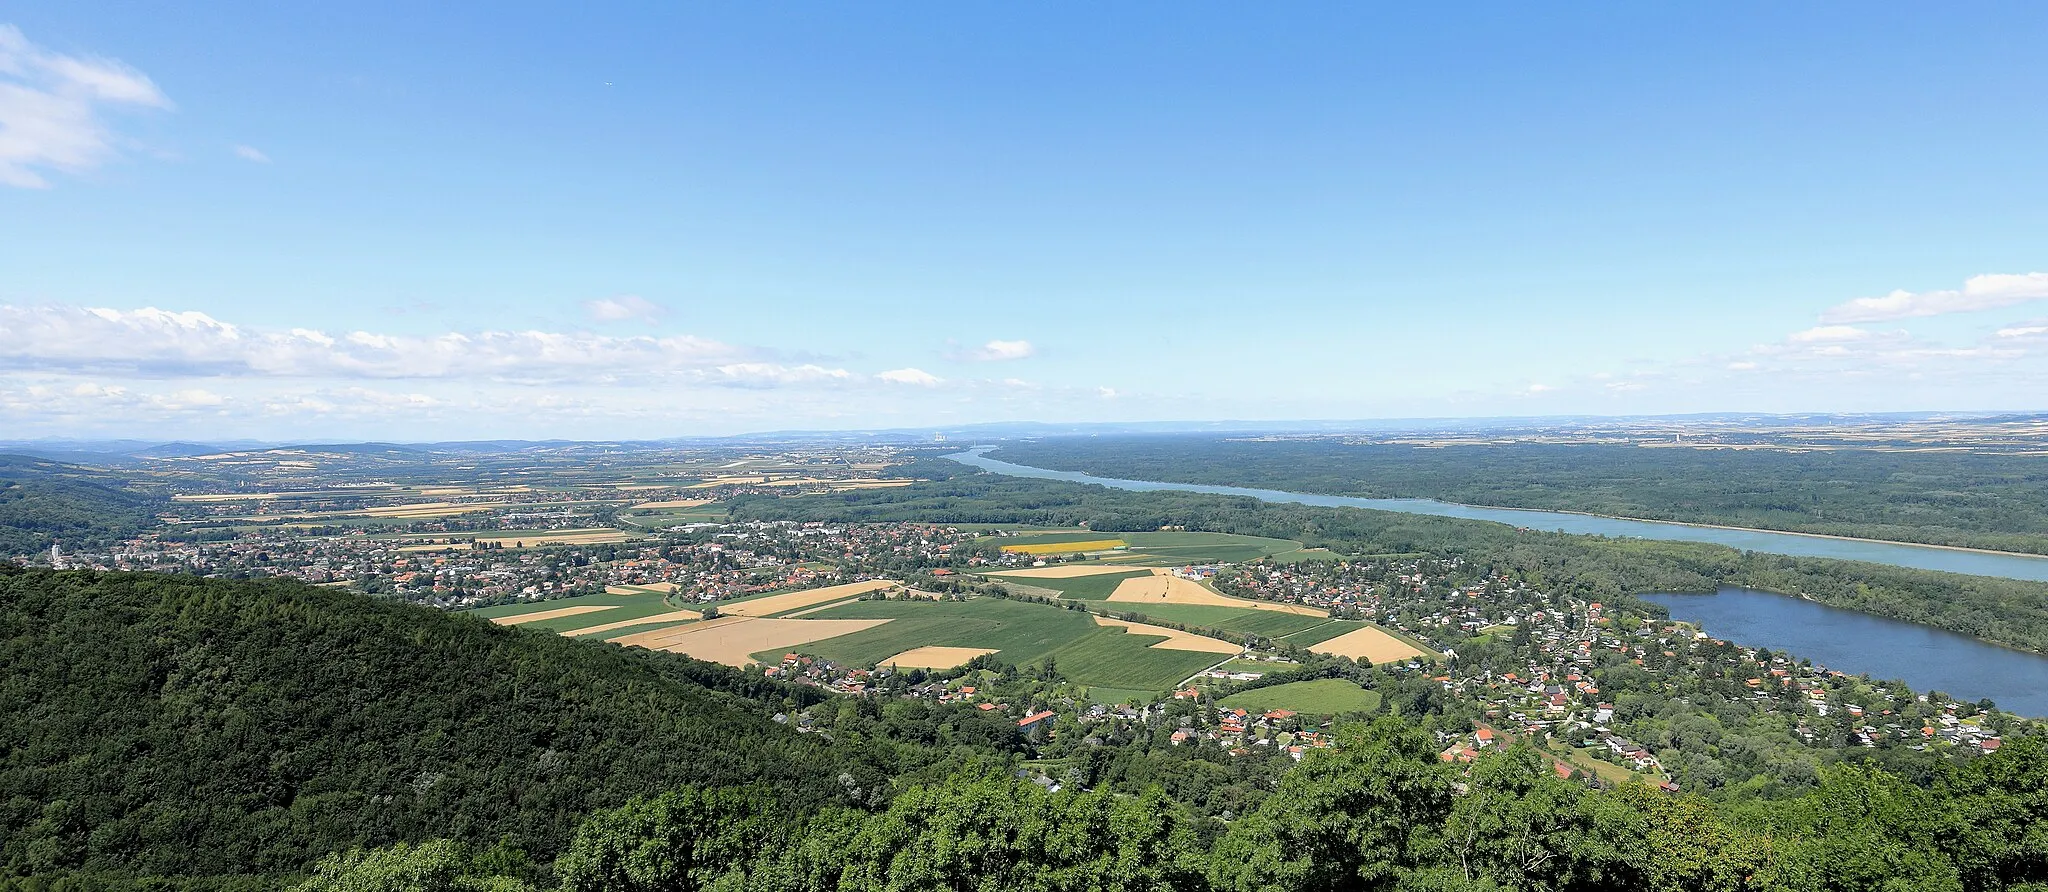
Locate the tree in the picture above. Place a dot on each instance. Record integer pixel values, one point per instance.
(433, 866)
(1353, 818)
(680, 841)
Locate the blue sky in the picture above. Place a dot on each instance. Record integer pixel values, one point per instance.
(429, 221)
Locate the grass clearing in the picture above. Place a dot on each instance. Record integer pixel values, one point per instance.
(635, 606)
(1092, 587)
(1321, 697)
(1174, 639)
(1223, 619)
(1066, 547)
(1021, 633)
(1315, 635)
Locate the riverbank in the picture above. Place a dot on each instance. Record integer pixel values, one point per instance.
(1765, 530)
(1959, 559)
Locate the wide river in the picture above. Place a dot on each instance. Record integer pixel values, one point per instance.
(1923, 657)
(1924, 557)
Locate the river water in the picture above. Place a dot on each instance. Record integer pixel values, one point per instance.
(1845, 640)
(1926, 659)
(1923, 557)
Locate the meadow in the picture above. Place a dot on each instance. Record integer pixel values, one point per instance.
(1080, 588)
(1021, 633)
(622, 603)
(1321, 697)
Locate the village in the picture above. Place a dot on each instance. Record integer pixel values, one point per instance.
(1605, 691)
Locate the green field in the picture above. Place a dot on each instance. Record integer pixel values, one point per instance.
(1325, 632)
(662, 518)
(1210, 548)
(1022, 634)
(1256, 666)
(622, 607)
(1079, 588)
(1055, 538)
(1324, 696)
(1271, 623)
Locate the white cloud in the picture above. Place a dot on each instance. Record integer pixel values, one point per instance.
(624, 307)
(1538, 388)
(1744, 366)
(251, 153)
(50, 109)
(999, 351)
(768, 374)
(1108, 393)
(917, 377)
(159, 343)
(2025, 330)
(1984, 292)
(1826, 334)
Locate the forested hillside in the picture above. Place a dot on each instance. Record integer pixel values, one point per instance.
(166, 732)
(1379, 812)
(41, 501)
(2012, 612)
(1940, 498)
(170, 725)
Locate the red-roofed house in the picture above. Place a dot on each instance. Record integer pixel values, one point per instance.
(1036, 723)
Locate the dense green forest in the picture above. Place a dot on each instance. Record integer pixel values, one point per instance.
(179, 726)
(1946, 498)
(2012, 612)
(1379, 812)
(42, 501)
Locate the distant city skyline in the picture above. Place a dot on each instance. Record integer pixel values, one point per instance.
(415, 224)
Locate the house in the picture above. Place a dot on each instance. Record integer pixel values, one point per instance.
(1483, 736)
(1034, 725)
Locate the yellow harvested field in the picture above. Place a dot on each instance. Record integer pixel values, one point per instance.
(1067, 572)
(640, 590)
(732, 640)
(432, 509)
(934, 657)
(1175, 638)
(557, 537)
(672, 617)
(1161, 588)
(806, 598)
(1369, 643)
(539, 615)
(674, 503)
(727, 481)
(1065, 547)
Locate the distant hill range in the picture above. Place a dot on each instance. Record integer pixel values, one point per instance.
(118, 452)
(44, 501)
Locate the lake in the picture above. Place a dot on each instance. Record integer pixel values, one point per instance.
(1923, 557)
(1926, 659)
